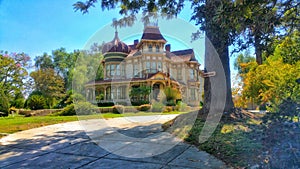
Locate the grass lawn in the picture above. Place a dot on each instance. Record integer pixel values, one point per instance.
(12, 124)
(237, 143)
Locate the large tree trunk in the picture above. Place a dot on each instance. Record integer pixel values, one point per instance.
(258, 49)
(217, 60)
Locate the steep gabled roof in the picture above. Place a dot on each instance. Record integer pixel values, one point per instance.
(152, 33)
(181, 55)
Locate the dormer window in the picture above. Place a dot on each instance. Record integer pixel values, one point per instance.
(157, 48)
(150, 48)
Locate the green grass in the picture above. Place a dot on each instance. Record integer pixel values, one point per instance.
(12, 124)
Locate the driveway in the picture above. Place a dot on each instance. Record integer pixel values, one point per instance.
(128, 142)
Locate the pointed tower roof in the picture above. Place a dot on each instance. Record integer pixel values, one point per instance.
(116, 45)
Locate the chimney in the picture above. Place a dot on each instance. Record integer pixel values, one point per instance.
(135, 42)
(168, 47)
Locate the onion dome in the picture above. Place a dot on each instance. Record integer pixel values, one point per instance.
(115, 46)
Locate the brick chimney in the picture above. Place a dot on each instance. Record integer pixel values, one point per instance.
(168, 47)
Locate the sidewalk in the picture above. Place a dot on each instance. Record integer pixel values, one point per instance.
(125, 143)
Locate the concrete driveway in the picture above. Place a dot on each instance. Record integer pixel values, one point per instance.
(131, 142)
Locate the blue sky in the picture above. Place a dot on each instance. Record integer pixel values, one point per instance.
(35, 27)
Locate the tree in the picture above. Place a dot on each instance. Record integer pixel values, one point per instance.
(44, 62)
(50, 84)
(141, 91)
(171, 95)
(288, 49)
(206, 14)
(223, 22)
(242, 61)
(64, 64)
(13, 77)
(275, 80)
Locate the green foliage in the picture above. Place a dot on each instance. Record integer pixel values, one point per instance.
(272, 82)
(85, 108)
(49, 83)
(241, 61)
(36, 102)
(118, 109)
(182, 107)
(140, 92)
(79, 108)
(171, 93)
(69, 110)
(288, 49)
(13, 78)
(4, 104)
(157, 106)
(144, 107)
(44, 62)
(139, 102)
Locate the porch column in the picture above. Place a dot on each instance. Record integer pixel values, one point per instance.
(105, 92)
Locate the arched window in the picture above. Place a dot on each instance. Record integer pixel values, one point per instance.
(157, 48)
(150, 48)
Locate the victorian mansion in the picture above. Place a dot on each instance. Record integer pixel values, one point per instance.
(147, 62)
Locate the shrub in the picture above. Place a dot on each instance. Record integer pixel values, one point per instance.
(36, 102)
(144, 107)
(171, 103)
(182, 107)
(85, 108)
(168, 109)
(106, 104)
(13, 110)
(118, 109)
(4, 105)
(67, 111)
(157, 107)
(139, 103)
(80, 108)
(18, 103)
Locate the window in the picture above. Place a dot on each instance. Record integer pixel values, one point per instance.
(193, 94)
(118, 71)
(150, 48)
(159, 66)
(122, 70)
(113, 93)
(112, 70)
(153, 67)
(135, 70)
(157, 48)
(108, 93)
(107, 70)
(121, 92)
(179, 74)
(192, 74)
(148, 66)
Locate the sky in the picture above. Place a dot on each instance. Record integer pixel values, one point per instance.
(35, 27)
